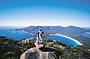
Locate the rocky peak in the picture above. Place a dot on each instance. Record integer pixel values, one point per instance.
(40, 52)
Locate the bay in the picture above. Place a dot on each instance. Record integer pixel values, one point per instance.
(87, 32)
(18, 35)
(64, 40)
(15, 34)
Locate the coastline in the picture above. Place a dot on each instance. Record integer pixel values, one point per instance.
(68, 37)
(59, 35)
(27, 32)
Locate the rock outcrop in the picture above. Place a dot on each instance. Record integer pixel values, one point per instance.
(38, 52)
(35, 53)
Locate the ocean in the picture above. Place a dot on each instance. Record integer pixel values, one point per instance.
(62, 39)
(18, 35)
(14, 34)
(87, 32)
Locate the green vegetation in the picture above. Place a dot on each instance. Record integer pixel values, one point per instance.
(84, 40)
(12, 49)
(67, 52)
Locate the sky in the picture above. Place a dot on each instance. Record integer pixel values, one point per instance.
(45, 13)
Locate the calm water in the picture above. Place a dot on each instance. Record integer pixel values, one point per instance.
(64, 40)
(18, 35)
(87, 32)
(86, 36)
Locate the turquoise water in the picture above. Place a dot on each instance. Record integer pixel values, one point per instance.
(18, 35)
(86, 36)
(87, 32)
(64, 40)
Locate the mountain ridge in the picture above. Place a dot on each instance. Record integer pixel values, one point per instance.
(70, 30)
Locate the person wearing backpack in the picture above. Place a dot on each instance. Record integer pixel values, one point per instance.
(40, 36)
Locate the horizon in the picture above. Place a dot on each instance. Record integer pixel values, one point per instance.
(41, 25)
(45, 13)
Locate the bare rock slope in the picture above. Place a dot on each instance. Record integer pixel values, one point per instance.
(36, 53)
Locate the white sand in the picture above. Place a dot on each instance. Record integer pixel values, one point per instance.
(68, 37)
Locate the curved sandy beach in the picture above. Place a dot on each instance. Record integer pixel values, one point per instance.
(68, 37)
(62, 36)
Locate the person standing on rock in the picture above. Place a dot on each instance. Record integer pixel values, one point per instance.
(40, 36)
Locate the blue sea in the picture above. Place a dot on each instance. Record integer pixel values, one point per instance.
(18, 35)
(87, 34)
(15, 34)
(62, 39)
